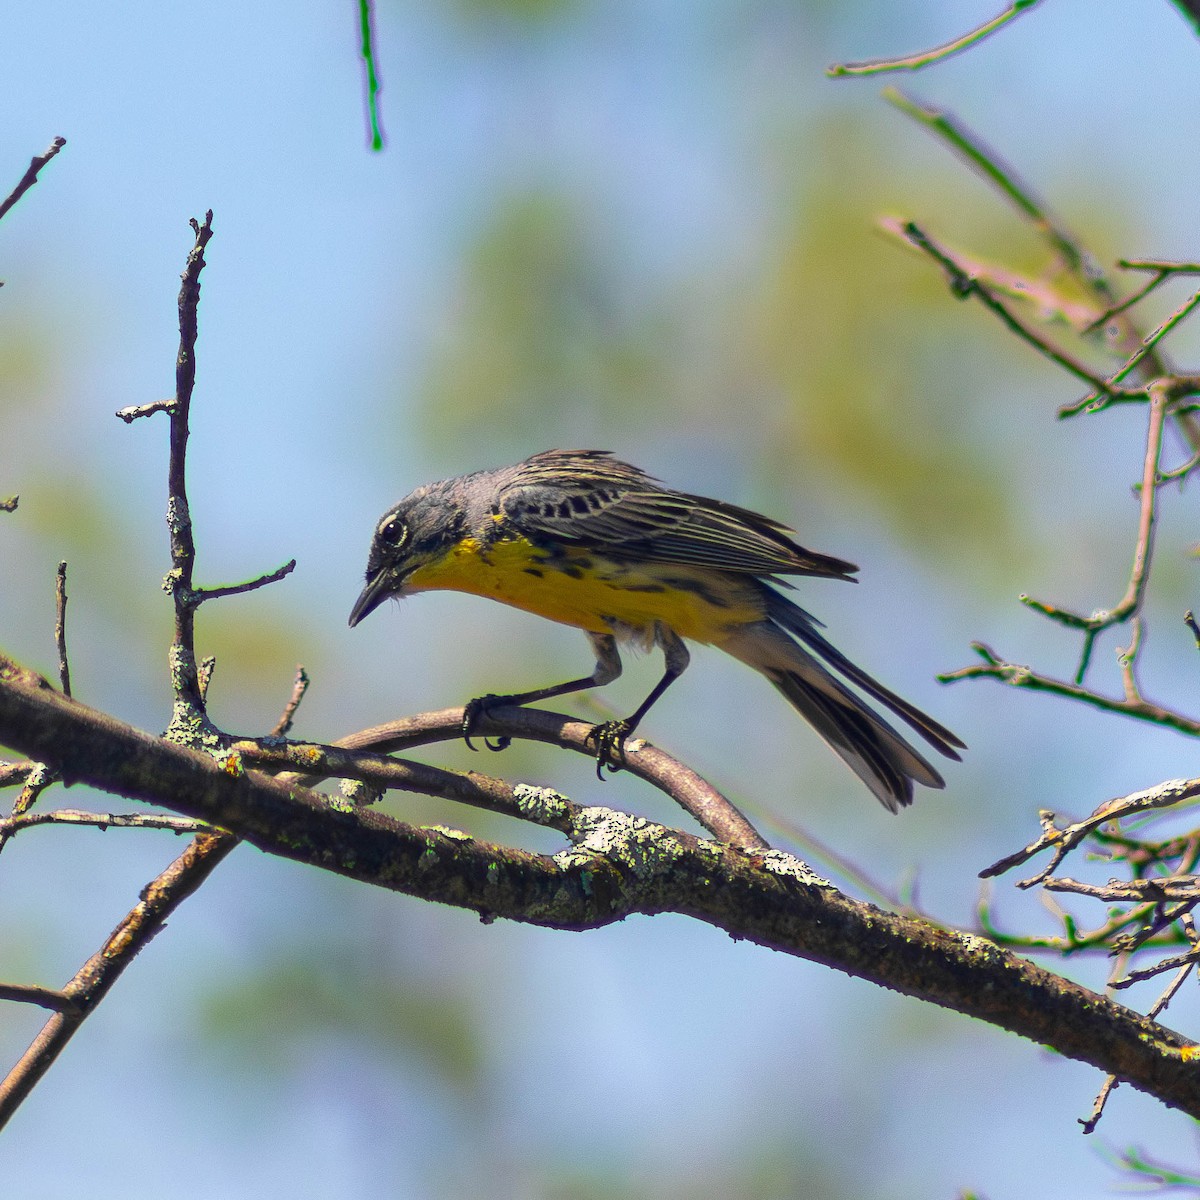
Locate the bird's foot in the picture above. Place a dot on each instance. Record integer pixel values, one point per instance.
(609, 742)
(477, 708)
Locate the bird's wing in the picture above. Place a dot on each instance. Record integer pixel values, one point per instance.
(588, 498)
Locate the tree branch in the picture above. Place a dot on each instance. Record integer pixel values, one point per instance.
(92, 981)
(914, 62)
(31, 175)
(618, 865)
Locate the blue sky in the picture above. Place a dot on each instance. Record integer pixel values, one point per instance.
(339, 287)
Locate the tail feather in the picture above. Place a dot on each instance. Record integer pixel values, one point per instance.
(872, 749)
(878, 755)
(801, 625)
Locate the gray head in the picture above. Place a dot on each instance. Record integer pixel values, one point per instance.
(416, 531)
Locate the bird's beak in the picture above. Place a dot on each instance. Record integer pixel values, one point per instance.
(379, 587)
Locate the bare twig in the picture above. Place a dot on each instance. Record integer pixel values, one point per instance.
(1187, 959)
(708, 806)
(102, 821)
(1131, 602)
(92, 981)
(1190, 621)
(1063, 839)
(964, 284)
(299, 687)
(200, 595)
(1125, 305)
(1122, 334)
(12, 773)
(1107, 1088)
(134, 411)
(37, 780)
(31, 175)
(60, 628)
(28, 993)
(1160, 266)
(189, 702)
(915, 62)
(1016, 675)
(1111, 1083)
(1155, 889)
(1098, 400)
(1161, 270)
(987, 163)
(1191, 10)
(1127, 661)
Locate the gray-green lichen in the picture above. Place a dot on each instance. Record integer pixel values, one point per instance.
(542, 805)
(641, 847)
(779, 862)
(455, 835)
(358, 794)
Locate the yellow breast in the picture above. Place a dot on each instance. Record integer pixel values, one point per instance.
(581, 588)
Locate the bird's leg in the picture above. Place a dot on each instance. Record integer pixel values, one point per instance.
(609, 738)
(608, 667)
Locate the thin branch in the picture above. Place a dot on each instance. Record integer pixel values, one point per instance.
(299, 687)
(1190, 621)
(200, 595)
(159, 899)
(1161, 270)
(1156, 889)
(60, 627)
(134, 411)
(101, 821)
(1128, 303)
(542, 806)
(1063, 839)
(1123, 335)
(188, 700)
(1100, 399)
(714, 811)
(982, 159)
(915, 62)
(1107, 1088)
(366, 17)
(31, 175)
(1127, 662)
(1160, 266)
(964, 284)
(39, 778)
(12, 773)
(1016, 675)
(1135, 591)
(28, 993)
(1188, 959)
(1191, 11)
(1110, 1083)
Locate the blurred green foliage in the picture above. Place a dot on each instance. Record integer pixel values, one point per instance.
(293, 1002)
(825, 360)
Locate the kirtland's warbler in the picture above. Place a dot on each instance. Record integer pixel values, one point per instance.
(582, 538)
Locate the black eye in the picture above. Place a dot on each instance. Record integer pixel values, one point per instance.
(393, 532)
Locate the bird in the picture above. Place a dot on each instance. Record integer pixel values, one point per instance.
(584, 539)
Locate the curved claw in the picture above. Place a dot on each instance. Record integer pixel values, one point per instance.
(472, 711)
(609, 740)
